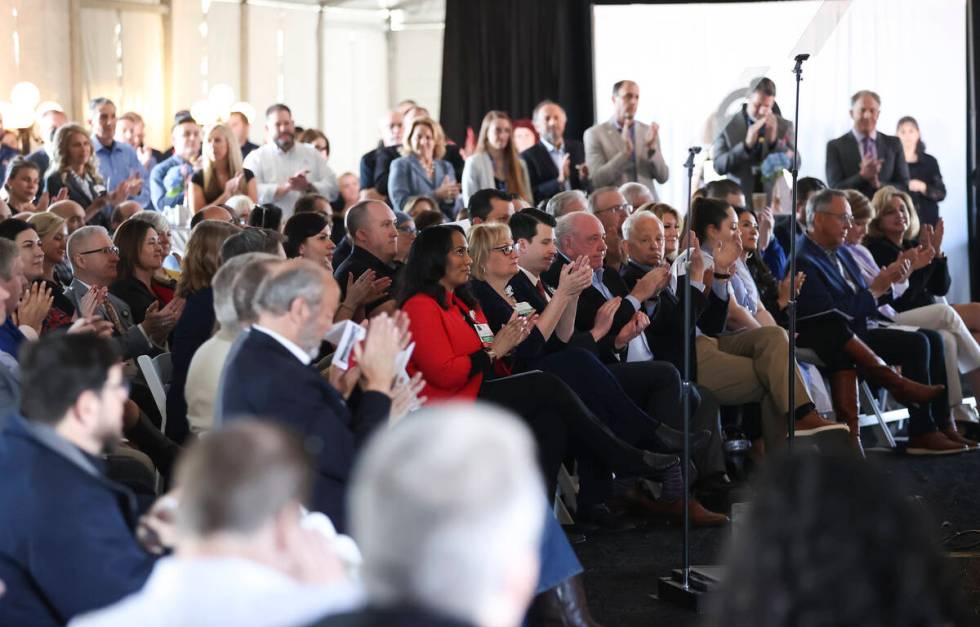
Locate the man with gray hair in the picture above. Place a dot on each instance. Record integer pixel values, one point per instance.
(271, 376)
(449, 533)
(204, 373)
(834, 285)
(635, 194)
(242, 554)
(567, 202)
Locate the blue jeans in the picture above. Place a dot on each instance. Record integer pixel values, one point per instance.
(558, 560)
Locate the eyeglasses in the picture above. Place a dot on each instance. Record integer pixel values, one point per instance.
(843, 217)
(623, 208)
(506, 248)
(108, 250)
(408, 230)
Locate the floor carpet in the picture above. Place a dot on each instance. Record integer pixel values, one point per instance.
(622, 569)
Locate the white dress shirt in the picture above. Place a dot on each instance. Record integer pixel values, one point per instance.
(204, 592)
(273, 167)
(288, 344)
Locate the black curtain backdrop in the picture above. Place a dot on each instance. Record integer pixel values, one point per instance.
(973, 140)
(510, 55)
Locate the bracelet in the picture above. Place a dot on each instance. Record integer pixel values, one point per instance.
(491, 354)
(722, 275)
(346, 306)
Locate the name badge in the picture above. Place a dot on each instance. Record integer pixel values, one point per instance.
(486, 335)
(524, 310)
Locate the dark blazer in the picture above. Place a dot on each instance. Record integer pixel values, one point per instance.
(733, 159)
(666, 328)
(134, 293)
(844, 163)
(926, 169)
(53, 184)
(924, 284)
(589, 302)
(524, 291)
(551, 275)
(390, 617)
(781, 230)
(825, 289)
(498, 311)
(544, 175)
(369, 161)
(195, 326)
(67, 542)
(265, 380)
(130, 339)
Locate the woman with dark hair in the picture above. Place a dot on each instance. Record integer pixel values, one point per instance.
(34, 310)
(196, 323)
(462, 359)
(318, 140)
(925, 180)
(308, 236)
(140, 257)
(20, 188)
(832, 541)
(266, 216)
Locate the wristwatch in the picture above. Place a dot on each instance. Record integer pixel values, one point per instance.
(721, 275)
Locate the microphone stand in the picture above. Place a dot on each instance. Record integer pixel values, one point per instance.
(791, 305)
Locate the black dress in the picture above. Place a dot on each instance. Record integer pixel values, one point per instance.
(926, 169)
(198, 179)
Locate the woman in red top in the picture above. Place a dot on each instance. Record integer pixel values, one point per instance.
(462, 359)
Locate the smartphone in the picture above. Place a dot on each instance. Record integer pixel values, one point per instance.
(758, 202)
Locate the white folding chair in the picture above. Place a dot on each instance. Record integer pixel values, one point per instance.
(158, 371)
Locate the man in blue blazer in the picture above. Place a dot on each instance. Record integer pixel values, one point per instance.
(67, 542)
(555, 164)
(271, 376)
(834, 284)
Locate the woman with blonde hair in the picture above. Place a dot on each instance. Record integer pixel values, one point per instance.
(422, 171)
(673, 224)
(52, 232)
(496, 164)
(222, 175)
(74, 166)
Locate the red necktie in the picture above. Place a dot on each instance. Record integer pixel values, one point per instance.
(541, 290)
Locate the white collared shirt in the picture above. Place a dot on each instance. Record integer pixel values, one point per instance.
(207, 591)
(288, 344)
(273, 167)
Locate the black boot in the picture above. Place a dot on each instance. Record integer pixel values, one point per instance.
(564, 605)
(670, 440)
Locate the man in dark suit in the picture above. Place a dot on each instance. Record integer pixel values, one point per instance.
(835, 283)
(271, 376)
(862, 158)
(555, 164)
(750, 136)
(68, 543)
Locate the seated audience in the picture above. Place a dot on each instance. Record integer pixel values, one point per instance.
(636, 195)
(164, 279)
(624, 149)
(495, 164)
(925, 180)
(53, 233)
(36, 313)
(864, 526)
(490, 206)
(416, 205)
(196, 323)
(421, 170)
(407, 232)
(452, 559)
(286, 169)
(169, 179)
(960, 347)
(22, 187)
(242, 553)
(215, 213)
(567, 202)
(390, 129)
(425, 219)
(307, 235)
(12, 285)
(672, 223)
(117, 162)
(140, 258)
(72, 213)
(221, 175)
(122, 212)
(371, 229)
(266, 217)
(786, 224)
(350, 193)
(69, 542)
(240, 206)
(75, 167)
(270, 377)
(240, 126)
(610, 206)
(555, 163)
(834, 283)
(767, 247)
(253, 241)
(95, 260)
(864, 159)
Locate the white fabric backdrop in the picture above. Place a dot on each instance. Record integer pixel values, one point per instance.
(688, 59)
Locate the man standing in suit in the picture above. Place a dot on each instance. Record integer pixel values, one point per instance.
(864, 159)
(750, 136)
(623, 149)
(272, 376)
(555, 164)
(68, 543)
(94, 259)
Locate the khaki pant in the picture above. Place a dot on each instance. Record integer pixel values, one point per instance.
(750, 367)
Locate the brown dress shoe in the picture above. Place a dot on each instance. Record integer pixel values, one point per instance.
(933, 443)
(871, 367)
(812, 424)
(700, 516)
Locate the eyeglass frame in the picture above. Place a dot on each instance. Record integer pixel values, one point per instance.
(843, 217)
(623, 208)
(114, 250)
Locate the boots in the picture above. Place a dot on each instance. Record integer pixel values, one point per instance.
(562, 606)
(843, 393)
(872, 368)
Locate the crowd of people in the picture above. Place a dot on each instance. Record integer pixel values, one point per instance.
(417, 355)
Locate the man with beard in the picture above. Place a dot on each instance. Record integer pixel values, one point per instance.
(271, 376)
(68, 543)
(286, 169)
(555, 164)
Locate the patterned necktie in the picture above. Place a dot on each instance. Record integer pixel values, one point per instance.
(869, 147)
(541, 290)
(113, 315)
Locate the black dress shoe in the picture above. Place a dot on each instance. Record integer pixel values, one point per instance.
(601, 517)
(670, 440)
(574, 537)
(651, 465)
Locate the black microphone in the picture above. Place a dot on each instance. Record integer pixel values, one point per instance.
(693, 150)
(800, 58)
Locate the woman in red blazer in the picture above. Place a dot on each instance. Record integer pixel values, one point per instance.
(462, 359)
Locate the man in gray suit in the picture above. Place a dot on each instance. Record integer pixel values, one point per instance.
(864, 159)
(749, 137)
(623, 149)
(94, 258)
